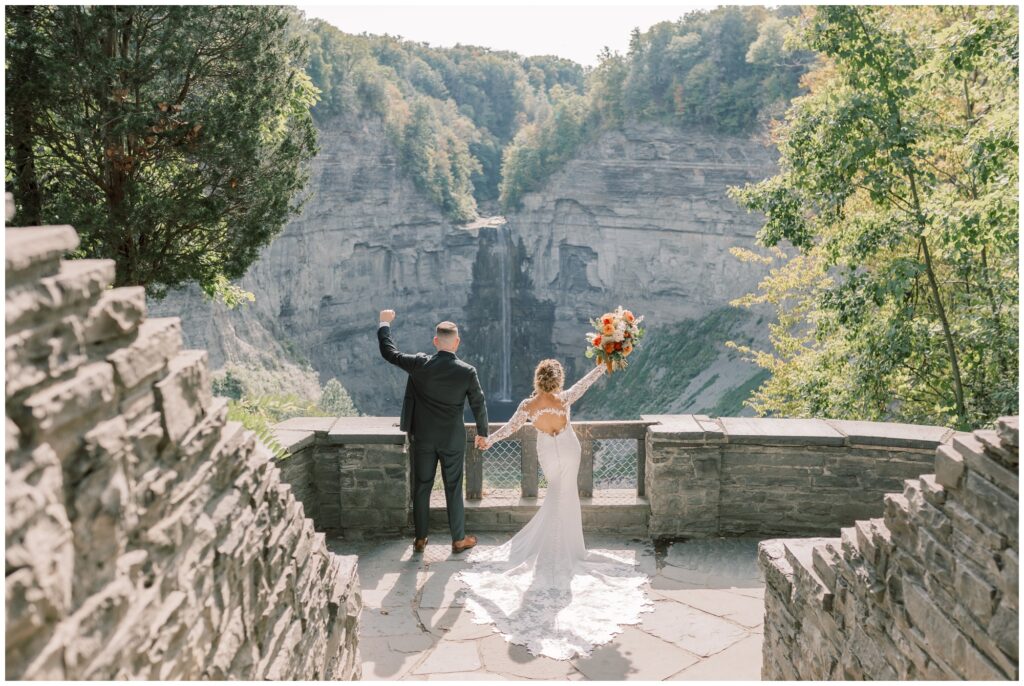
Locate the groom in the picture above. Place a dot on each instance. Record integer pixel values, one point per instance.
(435, 395)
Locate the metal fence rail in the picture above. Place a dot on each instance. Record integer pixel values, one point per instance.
(612, 457)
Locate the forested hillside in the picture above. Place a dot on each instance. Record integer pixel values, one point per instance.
(475, 125)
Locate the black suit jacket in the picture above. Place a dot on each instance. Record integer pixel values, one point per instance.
(436, 394)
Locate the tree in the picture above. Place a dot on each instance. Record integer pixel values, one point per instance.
(336, 401)
(174, 138)
(898, 186)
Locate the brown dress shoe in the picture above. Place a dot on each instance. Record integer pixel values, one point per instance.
(419, 545)
(468, 542)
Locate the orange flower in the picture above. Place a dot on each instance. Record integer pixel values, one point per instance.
(609, 329)
(618, 346)
(597, 341)
(626, 350)
(609, 347)
(607, 319)
(629, 316)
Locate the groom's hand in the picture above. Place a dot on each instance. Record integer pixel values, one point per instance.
(481, 443)
(387, 316)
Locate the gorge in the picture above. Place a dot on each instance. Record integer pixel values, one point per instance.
(640, 217)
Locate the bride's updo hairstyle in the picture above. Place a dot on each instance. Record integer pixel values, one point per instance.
(548, 377)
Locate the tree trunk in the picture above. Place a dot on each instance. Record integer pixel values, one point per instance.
(22, 82)
(116, 152)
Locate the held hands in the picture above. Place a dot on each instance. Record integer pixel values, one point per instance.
(387, 316)
(480, 443)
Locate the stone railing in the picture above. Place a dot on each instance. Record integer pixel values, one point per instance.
(696, 476)
(927, 590)
(147, 537)
(762, 476)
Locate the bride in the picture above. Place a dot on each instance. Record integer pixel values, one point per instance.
(542, 588)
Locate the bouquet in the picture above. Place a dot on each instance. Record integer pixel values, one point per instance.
(616, 335)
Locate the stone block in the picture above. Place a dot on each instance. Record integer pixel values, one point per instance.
(90, 390)
(778, 431)
(158, 340)
(1008, 429)
(118, 312)
(949, 466)
(295, 441)
(979, 460)
(937, 558)
(184, 393)
(314, 424)
(29, 251)
(365, 430)
(69, 292)
(1003, 628)
(681, 427)
(35, 356)
(976, 593)
(991, 505)
(932, 491)
(891, 434)
(799, 554)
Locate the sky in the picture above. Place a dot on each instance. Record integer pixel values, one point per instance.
(578, 32)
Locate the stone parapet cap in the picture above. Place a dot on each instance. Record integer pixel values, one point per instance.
(775, 430)
(366, 430)
(681, 427)
(892, 434)
(688, 428)
(294, 441)
(300, 432)
(303, 431)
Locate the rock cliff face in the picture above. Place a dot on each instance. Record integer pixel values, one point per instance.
(640, 218)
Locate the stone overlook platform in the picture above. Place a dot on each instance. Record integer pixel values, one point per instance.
(150, 538)
(707, 621)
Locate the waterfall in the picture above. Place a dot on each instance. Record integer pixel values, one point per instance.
(505, 276)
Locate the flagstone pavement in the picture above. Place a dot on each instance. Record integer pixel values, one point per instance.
(707, 622)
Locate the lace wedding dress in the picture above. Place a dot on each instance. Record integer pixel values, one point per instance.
(543, 589)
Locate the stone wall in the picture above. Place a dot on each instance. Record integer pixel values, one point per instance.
(928, 590)
(765, 476)
(147, 537)
(354, 473)
(703, 477)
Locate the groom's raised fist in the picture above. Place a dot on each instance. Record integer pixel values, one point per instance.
(387, 315)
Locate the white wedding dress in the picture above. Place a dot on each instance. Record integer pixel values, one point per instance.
(542, 588)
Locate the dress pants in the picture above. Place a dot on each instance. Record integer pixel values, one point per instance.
(425, 457)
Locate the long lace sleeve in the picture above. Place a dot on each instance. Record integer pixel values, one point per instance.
(514, 423)
(580, 387)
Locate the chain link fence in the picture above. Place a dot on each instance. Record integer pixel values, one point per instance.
(615, 463)
(615, 471)
(502, 470)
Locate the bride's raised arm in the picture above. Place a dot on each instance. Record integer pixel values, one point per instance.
(580, 387)
(511, 426)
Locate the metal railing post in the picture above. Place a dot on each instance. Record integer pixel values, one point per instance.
(474, 468)
(585, 481)
(641, 465)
